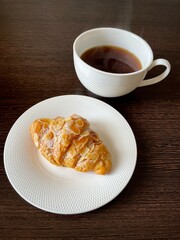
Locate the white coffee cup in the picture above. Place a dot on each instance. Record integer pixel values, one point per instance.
(115, 84)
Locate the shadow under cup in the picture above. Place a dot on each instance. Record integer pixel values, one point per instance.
(111, 84)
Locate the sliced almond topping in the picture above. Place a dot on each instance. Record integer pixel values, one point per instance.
(71, 152)
(74, 129)
(84, 134)
(84, 151)
(79, 123)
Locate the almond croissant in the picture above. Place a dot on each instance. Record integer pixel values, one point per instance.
(71, 143)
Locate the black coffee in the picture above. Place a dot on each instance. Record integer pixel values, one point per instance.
(111, 59)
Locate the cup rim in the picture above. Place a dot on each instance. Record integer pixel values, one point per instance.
(109, 73)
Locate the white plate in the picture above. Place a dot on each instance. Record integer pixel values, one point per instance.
(64, 190)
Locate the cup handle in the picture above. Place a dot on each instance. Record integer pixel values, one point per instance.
(159, 78)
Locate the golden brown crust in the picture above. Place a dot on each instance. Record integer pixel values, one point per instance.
(71, 143)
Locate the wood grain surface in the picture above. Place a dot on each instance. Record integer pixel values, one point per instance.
(36, 63)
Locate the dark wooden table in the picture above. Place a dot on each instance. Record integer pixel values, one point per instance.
(36, 63)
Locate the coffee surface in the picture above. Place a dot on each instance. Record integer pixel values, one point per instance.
(111, 59)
